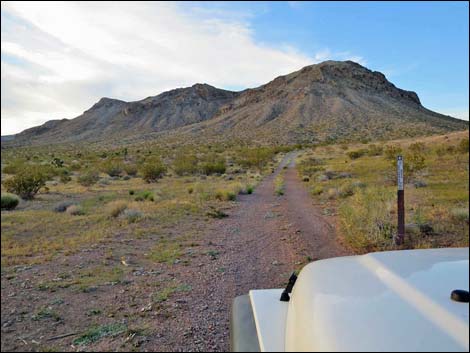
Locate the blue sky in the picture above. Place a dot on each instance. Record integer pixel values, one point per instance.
(60, 58)
(420, 46)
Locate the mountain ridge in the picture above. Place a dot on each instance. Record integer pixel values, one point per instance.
(320, 102)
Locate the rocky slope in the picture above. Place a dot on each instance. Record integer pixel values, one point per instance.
(326, 102)
(330, 101)
(111, 118)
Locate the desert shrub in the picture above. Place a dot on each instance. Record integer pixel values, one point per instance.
(65, 176)
(190, 190)
(75, 165)
(392, 151)
(14, 166)
(75, 210)
(27, 182)
(375, 150)
(153, 170)
(131, 215)
(213, 164)
(366, 219)
(112, 167)
(417, 147)
(316, 190)
(144, 196)
(463, 146)
(130, 169)
(115, 208)
(131, 192)
(249, 189)
(89, 178)
(305, 178)
(62, 206)
(57, 162)
(356, 154)
(185, 164)
(414, 162)
(9, 201)
(225, 195)
(256, 157)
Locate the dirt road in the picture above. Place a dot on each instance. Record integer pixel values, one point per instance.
(260, 244)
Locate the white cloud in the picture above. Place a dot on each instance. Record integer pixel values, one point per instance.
(459, 113)
(59, 58)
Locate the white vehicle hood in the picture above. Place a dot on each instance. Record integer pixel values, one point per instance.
(389, 301)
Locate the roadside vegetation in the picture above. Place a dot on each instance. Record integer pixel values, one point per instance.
(356, 183)
(111, 230)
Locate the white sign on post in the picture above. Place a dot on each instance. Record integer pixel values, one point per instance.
(400, 172)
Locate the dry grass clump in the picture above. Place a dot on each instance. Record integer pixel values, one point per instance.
(115, 208)
(132, 216)
(366, 219)
(75, 210)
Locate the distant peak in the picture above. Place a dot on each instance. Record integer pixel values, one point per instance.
(108, 100)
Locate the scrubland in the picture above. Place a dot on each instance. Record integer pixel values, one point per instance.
(357, 183)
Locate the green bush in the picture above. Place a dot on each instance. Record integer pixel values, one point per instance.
(256, 157)
(213, 164)
(9, 201)
(144, 195)
(153, 170)
(14, 166)
(316, 190)
(112, 168)
(185, 164)
(224, 195)
(27, 182)
(89, 178)
(413, 162)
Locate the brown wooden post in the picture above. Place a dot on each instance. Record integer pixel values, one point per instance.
(401, 202)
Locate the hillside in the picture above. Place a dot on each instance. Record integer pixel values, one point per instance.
(327, 102)
(330, 101)
(111, 117)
